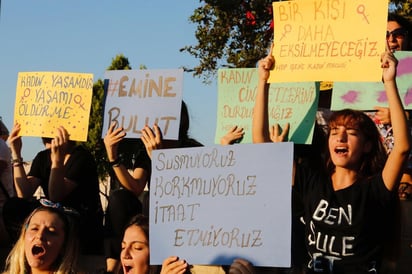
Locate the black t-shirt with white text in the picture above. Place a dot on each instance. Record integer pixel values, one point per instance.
(347, 228)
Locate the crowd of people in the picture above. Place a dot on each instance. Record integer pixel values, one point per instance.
(345, 192)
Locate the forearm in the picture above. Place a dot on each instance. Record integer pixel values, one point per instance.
(135, 185)
(393, 169)
(58, 188)
(398, 119)
(24, 188)
(260, 121)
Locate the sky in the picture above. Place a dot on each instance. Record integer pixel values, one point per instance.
(84, 36)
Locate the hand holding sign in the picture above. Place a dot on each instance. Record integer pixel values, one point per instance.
(152, 139)
(59, 147)
(111, 141)
(266, 64)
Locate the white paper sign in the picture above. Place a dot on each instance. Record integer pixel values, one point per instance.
(210, 205)
(135, 98)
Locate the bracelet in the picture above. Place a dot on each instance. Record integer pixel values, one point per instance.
(115, 163)
(17, 161)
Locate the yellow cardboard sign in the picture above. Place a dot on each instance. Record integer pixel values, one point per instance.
(47, 100)
(334, 40)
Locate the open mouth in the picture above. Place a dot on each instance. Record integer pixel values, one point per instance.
(341, 150)
(127, 268)
(38, 250)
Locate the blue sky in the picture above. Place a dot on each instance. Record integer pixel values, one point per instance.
(84, 36)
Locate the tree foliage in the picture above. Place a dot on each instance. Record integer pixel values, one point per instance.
(403, 7)
(237, 33)
(230, 33)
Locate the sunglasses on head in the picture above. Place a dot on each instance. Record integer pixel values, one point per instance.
(397, 33)
(48, 203)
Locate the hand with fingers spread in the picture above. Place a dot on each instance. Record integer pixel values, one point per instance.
(241, 266)
(152, 139)
(279, 135)
(111, 141)
(232, 136)
(172, 265)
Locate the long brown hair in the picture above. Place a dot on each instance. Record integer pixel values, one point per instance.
(141, 221)
(372, 161)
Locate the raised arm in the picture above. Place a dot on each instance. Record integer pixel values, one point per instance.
(399, 154)
(134, 182)
(260, 121)
(25, 186)
(59, 186)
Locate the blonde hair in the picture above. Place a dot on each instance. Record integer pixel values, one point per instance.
(66, 263)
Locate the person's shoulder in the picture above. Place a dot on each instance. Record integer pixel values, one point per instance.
(309, 177)
(81, 152)
(81, 149)
(45, 153)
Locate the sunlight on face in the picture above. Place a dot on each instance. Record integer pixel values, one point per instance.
(135, 251)
(346, 146)
(397, 36)
(44, 239)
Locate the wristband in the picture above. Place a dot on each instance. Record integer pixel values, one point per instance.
(17, 161)
(115, 163)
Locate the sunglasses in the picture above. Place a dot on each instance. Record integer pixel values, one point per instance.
(399, 33)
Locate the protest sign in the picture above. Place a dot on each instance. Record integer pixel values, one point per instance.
(316, 40)
(367, 95)
(135, 98)
(209, 205)
(47, 100)
(294, 103)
